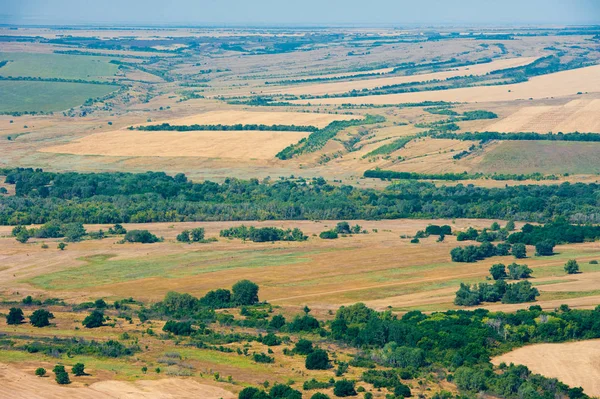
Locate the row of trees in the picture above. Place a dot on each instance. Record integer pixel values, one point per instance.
(474, 295)
(219, 127)
(156, 197)
(263, 234)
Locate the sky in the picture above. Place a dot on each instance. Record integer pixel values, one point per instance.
(300, 12)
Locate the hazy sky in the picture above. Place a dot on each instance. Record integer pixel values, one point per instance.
(300, 12)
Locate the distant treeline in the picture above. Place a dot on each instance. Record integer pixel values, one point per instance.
(60, 80)
(320, 137)
(488, 136)
(390, 174)
(219, 127)
(156, 197)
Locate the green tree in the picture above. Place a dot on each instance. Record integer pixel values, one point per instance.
(62, 378)
(248, 393)
(317, 360)
(319, 395)
(343, 388)
(329, 235)
(498, 271)
(15, 316)
(184, 236)
(303, 347)
(277, 321)
(23, 236)
(40, 371)
(40, 318)
(245, 292)
(78, 369)
(73, 232)
(544, 248)
(519, 251)
(94, 319)
(61, 246)
(571, 267)
(510, 225)
(197, 234)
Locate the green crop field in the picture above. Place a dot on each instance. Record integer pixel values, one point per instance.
(21, 96)
(56, 66)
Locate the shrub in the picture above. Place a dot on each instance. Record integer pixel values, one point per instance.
(572, 267)
(117, 229)
(271, 340)
(15, 316)
(519, 251)
(328, 235)
(62, 378)
(262, 358)
(498, 271)
(41, 318)
(94, 319)
(183, 328)
(245, 292)
(40, 371)
(141, 236)
(317, 360)
(280, 391)
(78, 369)
(248, 393)
(303, 347)
(217, 299)
(277, 321)
(544, 248)
(61, 246)
(343, 388)
(319, 395)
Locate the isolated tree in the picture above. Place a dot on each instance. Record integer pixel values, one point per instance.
(544, 248)
(61, 246)
(41, 318)
(519, 251)
(40, 371)
(245, 292)
(62, 378)
(498, 271)
(94, 319)
(572, 267)
(343, 388)
(15, 316)
(317, 360)
(78, 369)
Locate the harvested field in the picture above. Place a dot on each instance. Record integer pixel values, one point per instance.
(206, 144)
(549, 157)
(17, 384)
(56, 66)
(560, 84)
(343, 87)
(574, 363)
(231, 117)
(575, 116)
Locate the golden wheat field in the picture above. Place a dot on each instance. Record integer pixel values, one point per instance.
(560, 84)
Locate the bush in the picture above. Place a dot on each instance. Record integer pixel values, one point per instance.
(319, 395)
(402, 391)
(519, 251)
(517, 272)
(498, 271)
(303, 347)
(41, 318)
(262, 358)
(280, 391)
(183, 328)
(343, 388)
(62, 377)
(40, 371)
(328, 235)
(217, 299)
(141, 236)
(277, 321)
(78, 369)
(15, 316)
(317, 360)
(572, 267)
(117, 229)
(520, 292)
(245, 292)
(248, 393)
(94, 319)
(544, 248)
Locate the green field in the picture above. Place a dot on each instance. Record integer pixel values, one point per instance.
(102, 270)
(548, 157)
(22, 96)
(56, 66)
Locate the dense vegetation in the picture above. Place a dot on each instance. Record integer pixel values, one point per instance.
(389, 148)
(263, 234)
(319, 138)
(390, 174)
(156, 197)
(239, 126)
(488, 136)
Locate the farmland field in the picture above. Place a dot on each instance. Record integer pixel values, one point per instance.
(299, 212)
(56, 66)
(20, 96)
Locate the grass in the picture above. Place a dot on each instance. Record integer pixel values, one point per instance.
(56, 66)
(548, 157)
(101, 270)
(24, 96)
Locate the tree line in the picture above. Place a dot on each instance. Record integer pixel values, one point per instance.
(219, 127)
